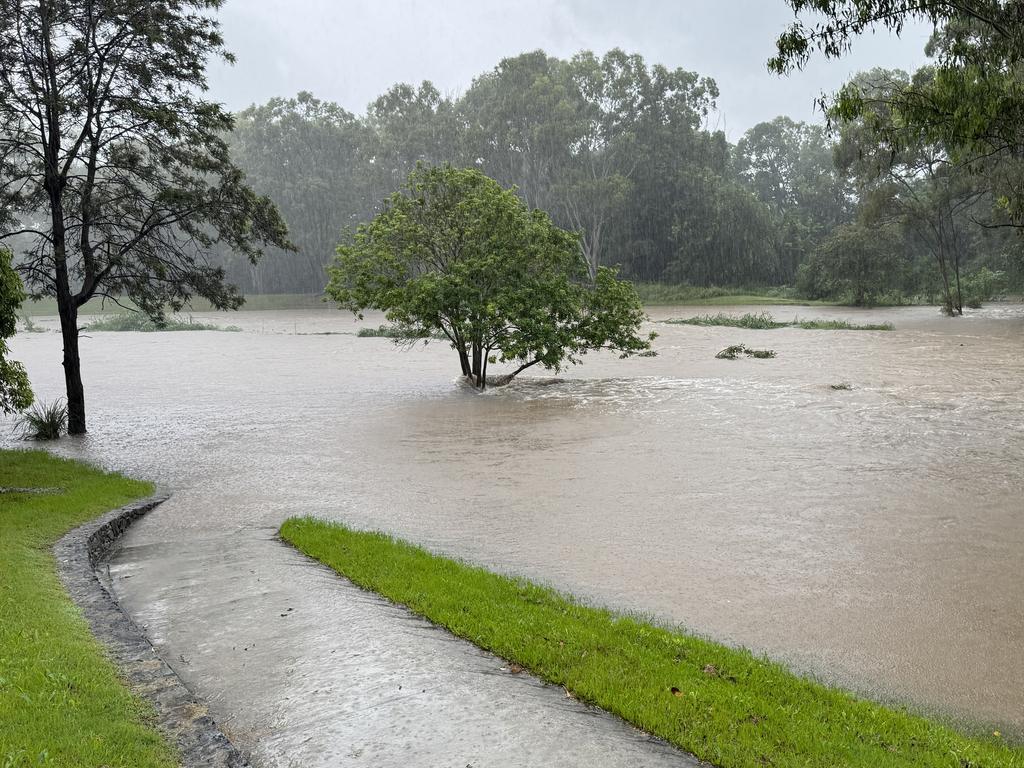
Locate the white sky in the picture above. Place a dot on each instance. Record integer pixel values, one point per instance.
(349, 51)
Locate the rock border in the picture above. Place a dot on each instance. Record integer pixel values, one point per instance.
(181, 715)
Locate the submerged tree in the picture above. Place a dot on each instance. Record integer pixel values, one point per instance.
(113, 166)
(454, 253)
(15, 392)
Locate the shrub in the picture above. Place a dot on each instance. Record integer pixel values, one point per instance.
(44, 422)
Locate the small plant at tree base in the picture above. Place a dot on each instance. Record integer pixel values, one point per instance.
(453, 253)
(45, 422)
(731, 353)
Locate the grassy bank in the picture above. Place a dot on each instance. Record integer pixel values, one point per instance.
(48, 307)
(765, 321)
(61, 702)
(135, 321)
(721, 704)
(655, 294)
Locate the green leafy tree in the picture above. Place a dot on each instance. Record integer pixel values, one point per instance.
(454, 253)
(972, 102)
(15, 392)
(113, 164)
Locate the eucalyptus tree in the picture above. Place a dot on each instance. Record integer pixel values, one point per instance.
(114, 164)
(904, 174)
(312, 156)
(790, 166)
(454, 253)
(973, 103)
(15, 391)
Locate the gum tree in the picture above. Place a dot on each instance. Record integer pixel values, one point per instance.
(115, 178)
(455, 254)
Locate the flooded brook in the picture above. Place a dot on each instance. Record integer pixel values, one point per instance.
(872, 537)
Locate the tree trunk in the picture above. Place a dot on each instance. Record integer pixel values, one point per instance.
(72, 365)
(464, 361)
(477, 367)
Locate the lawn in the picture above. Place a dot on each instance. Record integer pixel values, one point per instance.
(722, 704)
(61, 701)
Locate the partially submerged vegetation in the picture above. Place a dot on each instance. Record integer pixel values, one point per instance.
(734, 351)
(722, 704)
(61, 701)
(763, 321)
(395, 332)
(44, 421)
(137, 321)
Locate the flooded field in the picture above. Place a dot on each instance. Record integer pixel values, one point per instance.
(871, 536)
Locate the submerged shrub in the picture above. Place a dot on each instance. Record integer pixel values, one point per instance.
(731, 353)
(138, 322)
(44, 422)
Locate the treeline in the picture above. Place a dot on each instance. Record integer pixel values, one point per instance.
(621, 151)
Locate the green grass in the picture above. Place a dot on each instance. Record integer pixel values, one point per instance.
(48, 307)
(61, 701)
(135, 321)
(393, 332)
(764, 321)
(653, 294)
(722, 704)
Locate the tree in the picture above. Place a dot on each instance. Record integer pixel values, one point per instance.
(912, 180)
(114, 165)
(15, 392)
(973, 103)
(456, 254)
(312, 156)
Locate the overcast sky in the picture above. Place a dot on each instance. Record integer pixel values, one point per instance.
(349, 51)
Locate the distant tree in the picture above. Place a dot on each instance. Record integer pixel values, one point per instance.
(312, 156)
(914, 181)
(15, 392)
(454, 253)
(114, 165)
(973, 102)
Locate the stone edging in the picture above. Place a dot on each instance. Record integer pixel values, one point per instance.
(181, 716)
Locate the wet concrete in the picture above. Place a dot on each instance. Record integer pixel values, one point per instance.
(873, 537)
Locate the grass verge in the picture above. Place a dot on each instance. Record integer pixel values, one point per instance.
(764, 321)
(722, 704)
(61, 701)
(393, 332)
(135, 321)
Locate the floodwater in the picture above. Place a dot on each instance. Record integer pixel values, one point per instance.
(872, 537)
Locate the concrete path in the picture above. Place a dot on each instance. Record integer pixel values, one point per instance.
(303, 669)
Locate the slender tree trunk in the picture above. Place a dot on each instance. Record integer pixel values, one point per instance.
(72, 366)
(464, 361)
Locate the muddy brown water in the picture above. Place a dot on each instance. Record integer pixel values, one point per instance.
(872, 537)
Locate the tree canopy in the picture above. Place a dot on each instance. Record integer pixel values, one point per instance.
(115, 177)
(454, 253)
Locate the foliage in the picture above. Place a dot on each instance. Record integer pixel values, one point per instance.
(116, 175)
(972, 100)
(137, 321)
(15, 391)
(392, 332)
(734, 351)
(62, 702)
(44, 422)
(454, 253)
(982, 285)
(765, 322)
(726, 706)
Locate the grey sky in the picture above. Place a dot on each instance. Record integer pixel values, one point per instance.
(350, 51)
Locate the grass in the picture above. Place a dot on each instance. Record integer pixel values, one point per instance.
(392, 332)
(763, 321)
(48, 307)
(722, 704)
(44, 422)
(653, 294)
(135, 321)
(61, 701)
